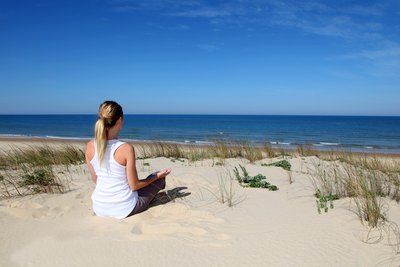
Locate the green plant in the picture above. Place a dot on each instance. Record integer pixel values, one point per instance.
(322, 201)
(41, 180)
(364, 184)
(284, 164)
(258, 181)
(30, 170)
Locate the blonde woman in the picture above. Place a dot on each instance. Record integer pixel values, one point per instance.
(112, 164)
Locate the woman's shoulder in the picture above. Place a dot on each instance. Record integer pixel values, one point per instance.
(125, 148)
(90, 150)
(90, 144)
(124, 152)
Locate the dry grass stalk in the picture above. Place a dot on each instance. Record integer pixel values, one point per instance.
(32, 170)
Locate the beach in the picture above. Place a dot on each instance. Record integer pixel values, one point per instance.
(195, 224)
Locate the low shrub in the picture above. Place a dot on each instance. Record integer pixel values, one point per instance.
(284, 164)
(258, 181)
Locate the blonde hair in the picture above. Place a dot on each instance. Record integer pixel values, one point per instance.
(109, 113)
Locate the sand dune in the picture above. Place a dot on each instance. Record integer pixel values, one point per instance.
(191, 227)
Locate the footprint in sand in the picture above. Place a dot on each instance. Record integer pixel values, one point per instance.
(81, 195)
(177, 220)
(49, 213)
(169, 228)
(34, 210)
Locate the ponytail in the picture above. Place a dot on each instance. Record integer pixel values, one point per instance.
(109, 113)
(100, 134)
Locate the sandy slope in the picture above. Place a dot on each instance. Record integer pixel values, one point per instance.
(264, 228)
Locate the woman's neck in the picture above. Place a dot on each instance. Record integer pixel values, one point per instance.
(112, 135)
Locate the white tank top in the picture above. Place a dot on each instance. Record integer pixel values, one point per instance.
(112, 196)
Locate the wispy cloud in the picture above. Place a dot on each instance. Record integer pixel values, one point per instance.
(180, 27)
(155, 5)
(362, 23)
(207, 47)
(373, 10)
(390, 51)
(202, 13)
(315, 17)
(382, 62)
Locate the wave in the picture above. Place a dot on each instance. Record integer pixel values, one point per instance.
(13, 135)
(326, 144)
(320, 145)
(203, 142)
(44, 136)
(280, 143)
(67, 138)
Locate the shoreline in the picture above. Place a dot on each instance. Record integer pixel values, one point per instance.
(25, 140)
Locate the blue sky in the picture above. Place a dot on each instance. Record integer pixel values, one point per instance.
(327, 57)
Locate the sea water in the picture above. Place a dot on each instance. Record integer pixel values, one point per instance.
(356, 133)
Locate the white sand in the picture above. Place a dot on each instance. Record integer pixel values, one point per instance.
(264, 228)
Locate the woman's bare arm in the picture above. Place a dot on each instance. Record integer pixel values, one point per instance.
(89, 154)
(131, 172)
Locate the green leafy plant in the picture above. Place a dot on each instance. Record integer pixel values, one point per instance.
(258, 181)
(323, 200)
(284, 164)
(41, 180)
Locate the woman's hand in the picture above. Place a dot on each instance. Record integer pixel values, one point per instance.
(164, 173)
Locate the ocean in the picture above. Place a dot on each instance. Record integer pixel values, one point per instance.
(355, 133)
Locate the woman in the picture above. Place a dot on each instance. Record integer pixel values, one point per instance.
(118, 193)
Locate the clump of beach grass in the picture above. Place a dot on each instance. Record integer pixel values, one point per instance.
(306, 150)
(367, 181)
(270, 152)
(42, 155)
(251, 152)
(219, 149)
(36, 169)
(226, 189)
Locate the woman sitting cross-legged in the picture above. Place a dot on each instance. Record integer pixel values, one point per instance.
(112, 164)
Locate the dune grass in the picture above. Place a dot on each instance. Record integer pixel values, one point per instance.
(220, 149)
(36, 169)
(367, 180)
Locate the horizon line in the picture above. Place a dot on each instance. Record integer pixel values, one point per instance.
(198, 114)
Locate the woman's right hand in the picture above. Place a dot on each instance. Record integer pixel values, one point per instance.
(163, 174)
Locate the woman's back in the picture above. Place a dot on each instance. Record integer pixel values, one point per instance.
(112, 195)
